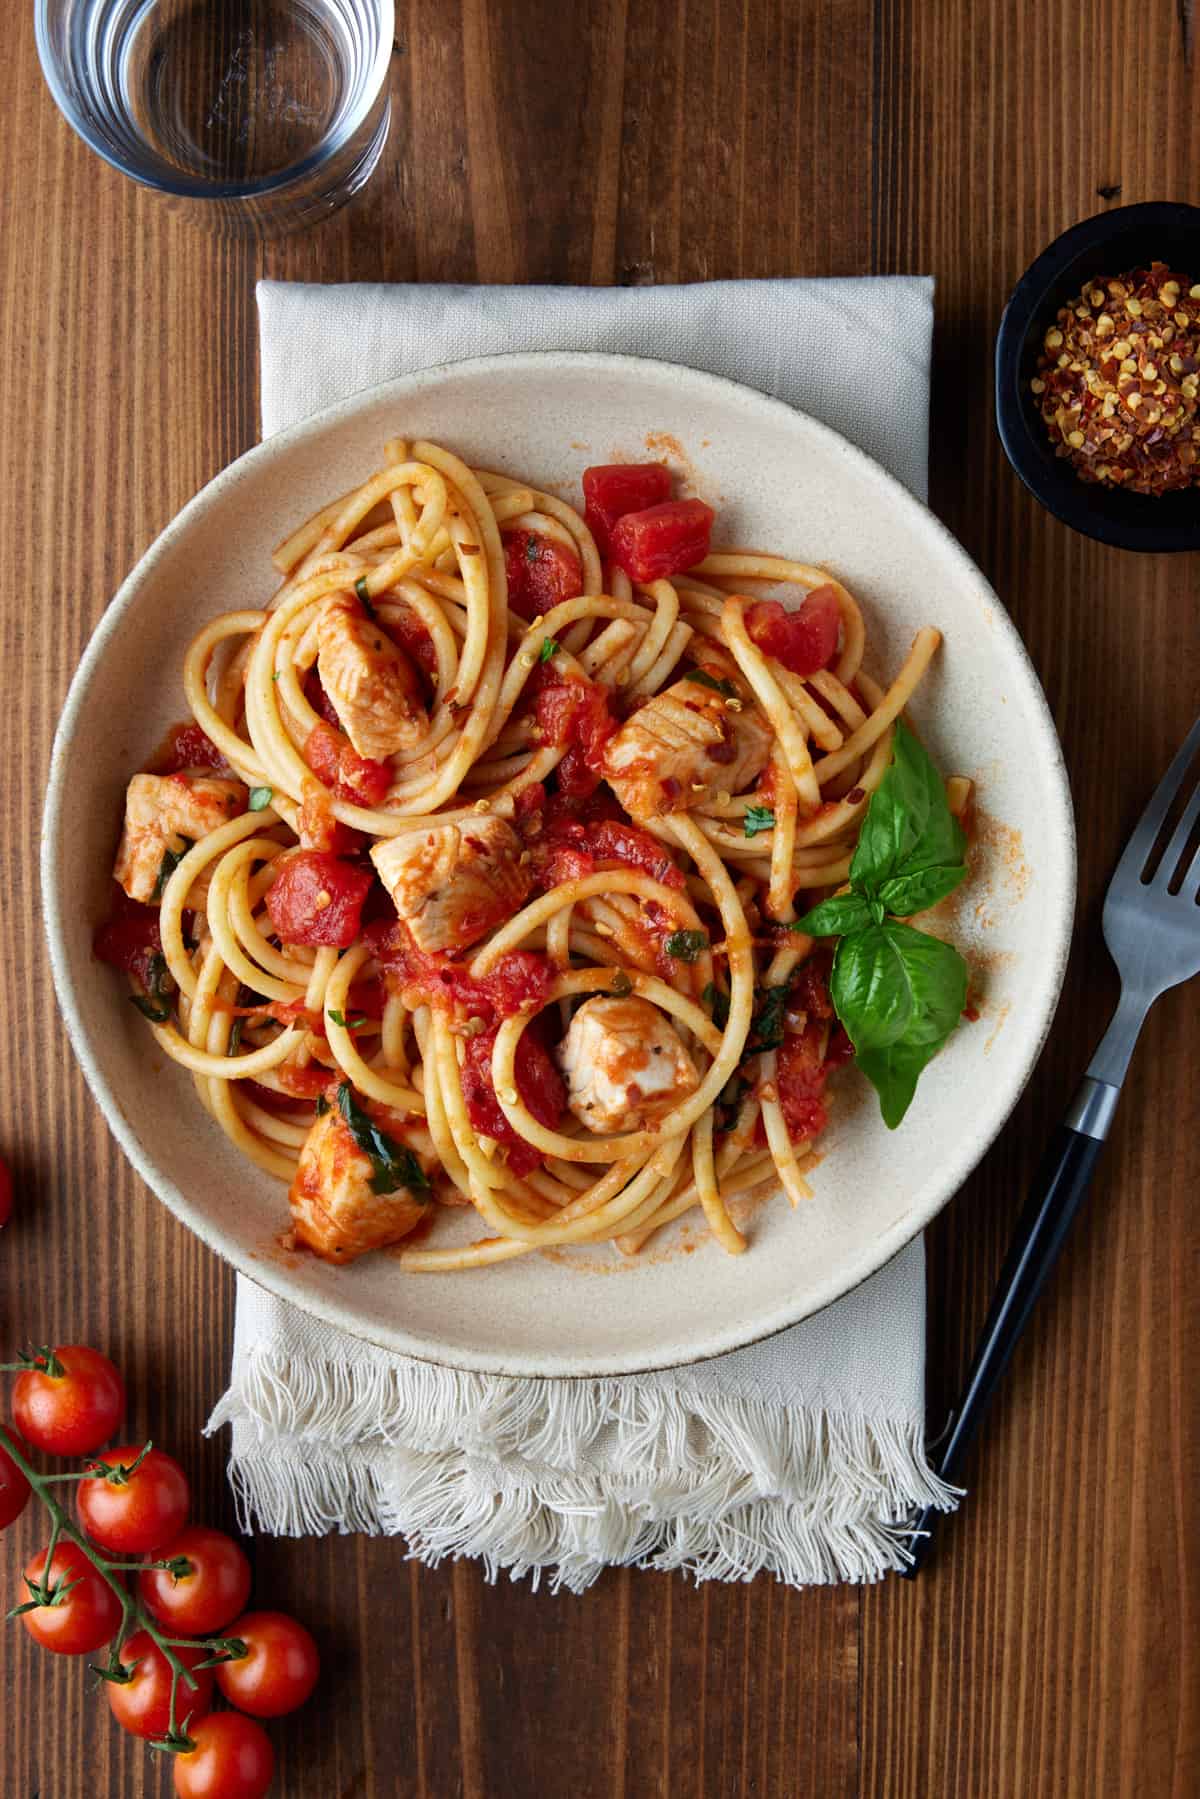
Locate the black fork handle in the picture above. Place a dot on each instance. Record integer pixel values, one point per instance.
(1062, 1180)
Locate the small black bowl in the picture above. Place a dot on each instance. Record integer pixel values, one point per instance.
(1109, 244)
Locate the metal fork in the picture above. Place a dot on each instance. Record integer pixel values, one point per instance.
(1153, 936)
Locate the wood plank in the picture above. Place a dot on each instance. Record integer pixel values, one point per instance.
(1046, 1652)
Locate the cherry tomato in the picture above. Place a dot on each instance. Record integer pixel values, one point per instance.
(74, 1412)
(280, 1670)
(6, 1187)
(139, 1513)
(85, 1617)
(14, 1490)
(201, 1602)
(541, 573)
(317, 898)
(142, 1706)
(232, 1759)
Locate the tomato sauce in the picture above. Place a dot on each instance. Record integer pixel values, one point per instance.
(187, 747)
(129, 938)
(538, 1082)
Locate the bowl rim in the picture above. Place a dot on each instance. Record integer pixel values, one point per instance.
(1079, 506)
(274, 1278)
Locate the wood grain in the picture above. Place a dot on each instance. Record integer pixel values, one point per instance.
(1049, 1650)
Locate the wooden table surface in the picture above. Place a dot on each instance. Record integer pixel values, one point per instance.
(1049, 1651)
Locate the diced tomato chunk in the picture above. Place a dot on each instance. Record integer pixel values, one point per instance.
(541, 573)
(803, 641)
(187, 746)
(129, 937)
(538, 1082)
(317, 899)
(663, 540)
(410, 634)
(349, 776)
(575, 712)
(520, 979)
(800, 1076)
(615, 488)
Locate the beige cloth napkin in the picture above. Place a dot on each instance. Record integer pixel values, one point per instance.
(801, 1455)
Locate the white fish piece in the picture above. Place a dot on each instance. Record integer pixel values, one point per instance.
(372, 685)
(682, 748)
(160, 811)
(624, 1064)
(334, 1209)
(453, 883)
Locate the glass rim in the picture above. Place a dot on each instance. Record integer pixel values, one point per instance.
(189, 187)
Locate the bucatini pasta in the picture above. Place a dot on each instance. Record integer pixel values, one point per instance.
(473, 878)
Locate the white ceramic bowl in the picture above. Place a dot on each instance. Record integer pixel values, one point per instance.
(780, 481)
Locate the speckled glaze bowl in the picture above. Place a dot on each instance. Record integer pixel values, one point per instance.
(780, 481)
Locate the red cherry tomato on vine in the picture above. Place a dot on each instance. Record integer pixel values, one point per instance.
(14, 1490)
(280, 1670)
(142, 1706)
(232, 1759)
(201, 1602)
(85, 1617)
(140, 1512)
(73, 1412)
(6, 1186)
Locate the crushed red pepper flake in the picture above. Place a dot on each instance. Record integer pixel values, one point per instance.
(1118, 378)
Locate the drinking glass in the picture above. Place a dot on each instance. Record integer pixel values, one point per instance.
(260, 115)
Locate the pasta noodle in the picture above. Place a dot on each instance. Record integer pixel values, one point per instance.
(540, 715)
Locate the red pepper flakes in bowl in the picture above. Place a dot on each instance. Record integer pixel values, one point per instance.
(1118, 380)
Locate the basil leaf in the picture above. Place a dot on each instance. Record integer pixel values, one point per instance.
(758, 818)
(168, 865)
(360, 588)
(392, 1164)
(235, 1037)
(890, 982)
(909, 825)
(836, 917)
(894, 1073)
(155, 1003)
(717, 1003)
(706, 680)
(322, 1106)
(550, 647)
(767, 1030)
(348, 1024)
(908, 893)
(686, 946)
(260, 798)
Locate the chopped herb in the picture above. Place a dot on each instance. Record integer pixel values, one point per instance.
(550, 648)
(767, 1029)
(758, 818)
(393, 1165)
(686, 946)
(730, 1104)
(532, 548)
(235, 1037)
(717, 1003)
(322, 1105)
(622, 985)
(155, 1003)
(275, 676)
(360, 588)
(260, 798)
(706, 680)
(351, 1023)
(168, 865)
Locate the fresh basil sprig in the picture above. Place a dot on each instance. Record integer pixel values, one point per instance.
(392, 1164)
(899, 992)
(170, 862)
